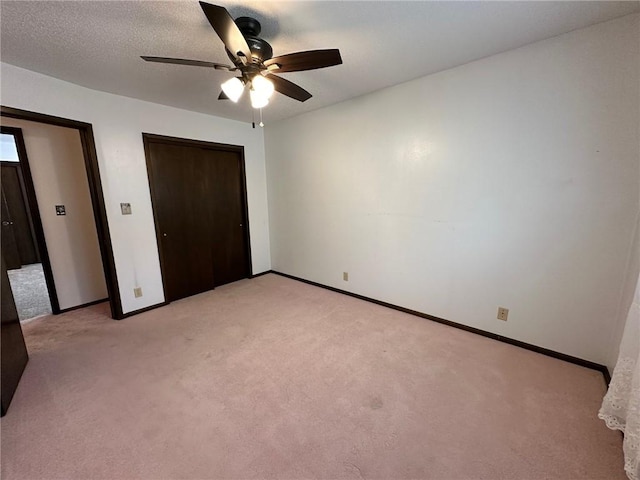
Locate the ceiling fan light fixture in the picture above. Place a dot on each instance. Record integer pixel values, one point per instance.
(258, 99)
(263, 86)
(253, 58)
(233, 89)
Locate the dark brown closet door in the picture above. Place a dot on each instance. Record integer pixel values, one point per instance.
(228, 234)
(198, 203)
(181, 185)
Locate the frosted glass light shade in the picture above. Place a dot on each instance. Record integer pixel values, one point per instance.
(257, 99)
(262, 86)
(233, 88)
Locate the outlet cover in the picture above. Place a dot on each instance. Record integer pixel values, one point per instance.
(345, 276)
(137, 292)
(503, 314)
(125, 208)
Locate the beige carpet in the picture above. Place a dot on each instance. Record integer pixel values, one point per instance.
(273, 378)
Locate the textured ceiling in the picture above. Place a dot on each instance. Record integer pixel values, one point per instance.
(97, 44)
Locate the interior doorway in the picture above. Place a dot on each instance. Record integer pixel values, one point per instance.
(89, 177)
(26, 261)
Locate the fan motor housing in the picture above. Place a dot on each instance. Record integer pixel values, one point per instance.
(251, 28)
(260, 48)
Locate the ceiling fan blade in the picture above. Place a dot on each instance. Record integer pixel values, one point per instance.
(289, 89)
(226, 29)
(309, 60)
(184, 61)
(223, 96)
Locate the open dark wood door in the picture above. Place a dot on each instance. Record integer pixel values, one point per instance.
(199, 203)
(9, 243)
(16, 202)
(13, 356)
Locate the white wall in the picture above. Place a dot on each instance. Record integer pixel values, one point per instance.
(118, 123)
(626, 296)
(509, 181)
(59, 176)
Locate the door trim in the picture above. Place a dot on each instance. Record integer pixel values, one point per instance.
(34, 212)
(148, 138)
(95, 192)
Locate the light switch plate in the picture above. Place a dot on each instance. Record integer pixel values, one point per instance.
(126, 208)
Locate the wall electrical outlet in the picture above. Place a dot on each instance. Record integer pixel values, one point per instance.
(137, 292)
(345, 276)
(503, 314)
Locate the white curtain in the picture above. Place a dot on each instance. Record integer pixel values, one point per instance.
(621, 405)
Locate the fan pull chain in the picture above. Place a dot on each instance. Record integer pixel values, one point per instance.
(261, 122)
(253, 118)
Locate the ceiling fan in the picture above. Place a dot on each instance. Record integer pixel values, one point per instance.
(253, 59)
